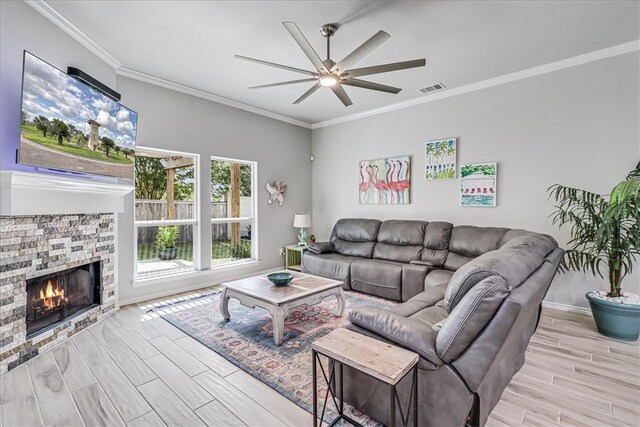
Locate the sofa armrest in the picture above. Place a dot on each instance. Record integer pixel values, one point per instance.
(413, 276)
(321, 247)
(407, 333)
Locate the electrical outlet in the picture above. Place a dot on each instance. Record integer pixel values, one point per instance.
(282, 251)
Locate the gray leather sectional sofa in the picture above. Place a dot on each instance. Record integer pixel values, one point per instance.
(471, 299)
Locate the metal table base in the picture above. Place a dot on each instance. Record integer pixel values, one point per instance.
(339, 402)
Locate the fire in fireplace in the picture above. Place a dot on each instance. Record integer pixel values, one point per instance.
(55, 297)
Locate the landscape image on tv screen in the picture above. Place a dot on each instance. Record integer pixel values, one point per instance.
(68, 125)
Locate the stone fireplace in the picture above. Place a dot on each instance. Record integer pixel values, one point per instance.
(56, 278)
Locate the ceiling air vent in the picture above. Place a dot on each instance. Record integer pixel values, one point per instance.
(428, 89)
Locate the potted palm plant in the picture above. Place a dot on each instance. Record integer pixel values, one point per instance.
(166, 242)
(605, 236)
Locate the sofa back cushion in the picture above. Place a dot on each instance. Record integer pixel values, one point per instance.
(514, 262)
(468, 242)
(470, 317)
(436, 242)
(400, 240)
(543, 244)
(355, 236)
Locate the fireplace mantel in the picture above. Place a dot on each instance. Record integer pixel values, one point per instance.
(28, 193)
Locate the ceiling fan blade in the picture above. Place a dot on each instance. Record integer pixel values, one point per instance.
(340, 93)
(370, 85)
(304, 45)
(291, 82)
(385, 68)
(272, 64)
(305, 95)
(365, 48)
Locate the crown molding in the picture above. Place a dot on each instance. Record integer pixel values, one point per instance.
(596, 55)
(63, 23)
(147, 78)
(51, 14)
(60, 21)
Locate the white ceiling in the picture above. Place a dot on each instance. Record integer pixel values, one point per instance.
(193, 42)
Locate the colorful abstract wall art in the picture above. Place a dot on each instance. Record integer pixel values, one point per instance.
(385, 181)
(478, 184)
(440, 159)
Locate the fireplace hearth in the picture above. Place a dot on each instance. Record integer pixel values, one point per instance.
(55, 297)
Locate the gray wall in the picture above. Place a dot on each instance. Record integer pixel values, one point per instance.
(578, 127)
(173, 121)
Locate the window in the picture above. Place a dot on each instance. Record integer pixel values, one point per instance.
(233, 225)
(166, 212)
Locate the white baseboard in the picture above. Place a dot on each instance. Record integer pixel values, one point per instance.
(566, 307)
(206, 283)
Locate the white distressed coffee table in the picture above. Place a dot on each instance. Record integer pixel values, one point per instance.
(258, 291)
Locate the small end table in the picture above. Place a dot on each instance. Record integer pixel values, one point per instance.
(293, 257)
(382, 361)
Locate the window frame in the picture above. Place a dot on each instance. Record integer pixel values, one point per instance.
(253, 219)
(194, 222)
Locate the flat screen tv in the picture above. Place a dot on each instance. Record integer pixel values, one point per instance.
(68, 125)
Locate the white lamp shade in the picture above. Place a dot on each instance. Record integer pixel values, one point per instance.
(302, 221)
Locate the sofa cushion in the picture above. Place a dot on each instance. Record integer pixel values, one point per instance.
(402, 232)
(514, 264)
(400, 240)
(436, 242)
(396, 252)
(357, 249)
(474, 241)
(436, 278)
(542, 244)
(357, 229)
(437, 235)
(470, 316)
(333, 266)
(430, 316)
(377, 277)
(424, 299)
(435, 257)
(468, 242)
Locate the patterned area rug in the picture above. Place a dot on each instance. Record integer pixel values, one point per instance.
(247, 341)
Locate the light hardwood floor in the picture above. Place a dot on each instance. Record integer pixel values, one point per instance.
(135, 369)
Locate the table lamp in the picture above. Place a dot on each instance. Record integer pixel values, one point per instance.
(302, 221)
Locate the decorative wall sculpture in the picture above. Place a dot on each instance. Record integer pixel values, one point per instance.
(385, 181)
(440, 159)
(276, 191)
(478, 184)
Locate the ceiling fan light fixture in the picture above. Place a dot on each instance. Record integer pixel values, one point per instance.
(328, 81)
(334, 75)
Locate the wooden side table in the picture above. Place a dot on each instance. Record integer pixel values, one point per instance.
(379, 360)
(293, 257)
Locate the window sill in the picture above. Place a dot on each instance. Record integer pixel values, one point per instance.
(193, 274)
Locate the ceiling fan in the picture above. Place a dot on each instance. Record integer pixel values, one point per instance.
(335, 74)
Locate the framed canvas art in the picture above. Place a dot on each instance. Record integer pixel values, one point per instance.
(440, 159)
(385, 181)
(478, 184)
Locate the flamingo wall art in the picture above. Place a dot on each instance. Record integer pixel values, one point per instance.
(385, 181)
(440, 159)
(478, 184)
